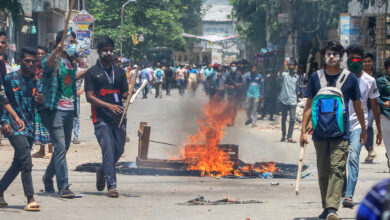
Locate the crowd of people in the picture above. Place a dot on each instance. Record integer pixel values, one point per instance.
(41, 105)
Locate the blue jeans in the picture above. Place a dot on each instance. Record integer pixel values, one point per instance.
(370, 131)
(145, 91)
(181, 84)
(353, 162)
(77, 121)
(112, 142)
(59, 124)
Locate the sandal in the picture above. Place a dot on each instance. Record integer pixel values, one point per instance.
(371, 156)
(290, 140)
(32, 206)
(3, 203)
(38, 155)
(48, 156)
(113, 193)
(348, 203)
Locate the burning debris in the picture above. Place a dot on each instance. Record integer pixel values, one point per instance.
(226, 201)
(203, 155)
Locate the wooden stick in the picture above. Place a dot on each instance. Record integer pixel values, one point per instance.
(300, 165)
(131, 88)
(64, 35)
(159, 142)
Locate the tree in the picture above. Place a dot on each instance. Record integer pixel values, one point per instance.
(160, 21)
(310, 21)
(14, 7)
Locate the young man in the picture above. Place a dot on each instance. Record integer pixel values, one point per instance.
(59, 109)
(331, 144)
(302, 81)
(369, 92)
(234, 83)
(105, 87)
(181, 79)
(169, 78)
(254, 84)
(20, 88)
(159, 77)
(368, 63)
(288, 98)
(271, 92)
(42, 136)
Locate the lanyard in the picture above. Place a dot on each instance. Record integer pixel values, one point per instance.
(113, 75)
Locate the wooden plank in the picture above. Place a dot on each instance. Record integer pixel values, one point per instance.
(143, 153)
(140, 134)
(162, 164)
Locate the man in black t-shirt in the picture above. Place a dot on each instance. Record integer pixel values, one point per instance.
(105, 87)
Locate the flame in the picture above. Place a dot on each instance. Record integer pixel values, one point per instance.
(202, 152)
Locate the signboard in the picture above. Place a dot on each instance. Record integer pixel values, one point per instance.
(27, 7)
(349, 30)
(83, 20)
(84, 42)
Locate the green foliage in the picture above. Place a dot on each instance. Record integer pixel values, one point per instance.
(310, 20)
(162, 22)
(14, 7)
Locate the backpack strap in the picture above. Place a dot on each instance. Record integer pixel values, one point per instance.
(342, 78)
(321, 76)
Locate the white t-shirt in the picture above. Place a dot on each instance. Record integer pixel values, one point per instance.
(368, 89)
(161, 78)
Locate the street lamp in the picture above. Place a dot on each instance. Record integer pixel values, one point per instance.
(122, 11)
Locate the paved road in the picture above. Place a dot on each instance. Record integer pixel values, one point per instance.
(156, 197)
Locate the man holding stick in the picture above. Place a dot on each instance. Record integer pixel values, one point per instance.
(59, 109)
(105, 87)
(331, 132)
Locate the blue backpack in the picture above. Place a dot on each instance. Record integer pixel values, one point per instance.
(328, 107)
(159, 74)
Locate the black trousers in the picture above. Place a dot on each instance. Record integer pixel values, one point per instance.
(21, 163)
(269, 106)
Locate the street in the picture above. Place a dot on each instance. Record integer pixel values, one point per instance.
(172, 119)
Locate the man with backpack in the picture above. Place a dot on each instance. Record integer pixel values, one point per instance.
(369, 93)
(158, 76)
(328, 93)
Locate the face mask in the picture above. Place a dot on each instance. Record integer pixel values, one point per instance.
(234, 68)
(71, 50)
(355, 65)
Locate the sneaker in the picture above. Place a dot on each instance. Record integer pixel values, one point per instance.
(66, 193)
(113, 193)
(283, 139)
(48, 183)
(100, 181)
(332, 215)
(348, 203)
(76, 141)
(248, 122)
(323, 214)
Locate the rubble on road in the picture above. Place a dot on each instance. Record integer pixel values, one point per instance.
(226, 201)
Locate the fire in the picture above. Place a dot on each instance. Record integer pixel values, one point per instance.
(205, 155)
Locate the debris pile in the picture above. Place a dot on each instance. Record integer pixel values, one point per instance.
(226, 201)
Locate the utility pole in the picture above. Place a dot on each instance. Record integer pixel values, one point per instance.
(122, 12)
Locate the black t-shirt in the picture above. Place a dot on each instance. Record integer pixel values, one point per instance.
(107, 88)
(169, 74)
